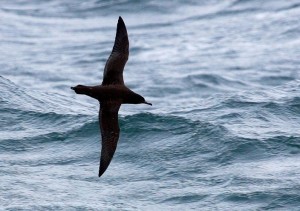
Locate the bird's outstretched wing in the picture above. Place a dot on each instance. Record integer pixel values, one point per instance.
(109, 126)
(113, 71)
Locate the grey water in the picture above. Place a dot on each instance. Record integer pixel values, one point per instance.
(224, 129)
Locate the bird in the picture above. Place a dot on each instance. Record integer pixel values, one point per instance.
(111, 94)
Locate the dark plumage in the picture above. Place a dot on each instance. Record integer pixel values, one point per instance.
(111, 94)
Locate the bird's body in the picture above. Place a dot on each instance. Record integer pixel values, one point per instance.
(111, 94)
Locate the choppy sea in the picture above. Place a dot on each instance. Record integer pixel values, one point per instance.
(224, 129)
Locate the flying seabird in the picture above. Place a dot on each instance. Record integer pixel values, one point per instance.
(111, 94)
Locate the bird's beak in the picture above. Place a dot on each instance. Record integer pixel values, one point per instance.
(148, 103)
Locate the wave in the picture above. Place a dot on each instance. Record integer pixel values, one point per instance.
(82, 9)
(212, 81)
(72, 9)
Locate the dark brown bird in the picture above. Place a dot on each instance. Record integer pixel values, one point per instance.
(111, 94)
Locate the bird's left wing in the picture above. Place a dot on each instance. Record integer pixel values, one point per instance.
(113, 71)
(109, 126)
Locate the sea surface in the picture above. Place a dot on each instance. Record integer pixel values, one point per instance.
(224, 129)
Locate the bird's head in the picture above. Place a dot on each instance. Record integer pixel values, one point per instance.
(138, 99)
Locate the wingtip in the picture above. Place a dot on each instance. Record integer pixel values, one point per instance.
(102, 167)
(101, 172)
(121, 21)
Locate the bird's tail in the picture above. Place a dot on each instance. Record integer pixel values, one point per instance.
(81, 89)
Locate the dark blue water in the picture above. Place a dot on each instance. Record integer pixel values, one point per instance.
(224, 129)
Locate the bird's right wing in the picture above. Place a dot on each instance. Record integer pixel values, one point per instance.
(113, 71)
(109, 126)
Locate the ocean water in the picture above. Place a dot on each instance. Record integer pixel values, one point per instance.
(224, 129)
